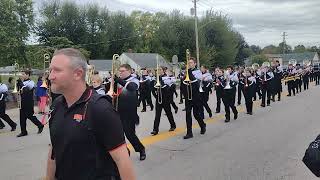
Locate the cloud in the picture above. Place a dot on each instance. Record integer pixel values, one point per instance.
(260, 21)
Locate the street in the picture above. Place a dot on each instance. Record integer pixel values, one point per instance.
(268, 145)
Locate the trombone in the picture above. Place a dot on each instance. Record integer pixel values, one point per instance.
(158, 84)
(115, 93)
(187, 80)
(46, 61)
(15, 89)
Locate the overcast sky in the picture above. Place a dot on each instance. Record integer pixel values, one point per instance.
(261, 22)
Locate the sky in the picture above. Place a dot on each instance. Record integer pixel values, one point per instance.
(261, 22)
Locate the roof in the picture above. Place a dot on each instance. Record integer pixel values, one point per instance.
(7, 69)
(101, 64)
(148, 60)
(299, 56)
(273, 55)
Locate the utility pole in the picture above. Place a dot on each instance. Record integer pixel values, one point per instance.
(284, 42)
(196, 31)
(284, 45)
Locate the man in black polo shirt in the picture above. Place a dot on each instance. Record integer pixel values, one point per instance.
(86, 133)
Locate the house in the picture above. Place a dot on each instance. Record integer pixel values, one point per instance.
(275, 57)
(299, 57)
(143, 60)
(103, 66)
(8, 70)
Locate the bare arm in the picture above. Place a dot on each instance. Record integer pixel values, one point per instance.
(51, 166)
(124, 164)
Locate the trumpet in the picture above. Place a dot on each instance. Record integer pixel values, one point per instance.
(158, 84)
(187, 79)
(115, 93)
(15, 89)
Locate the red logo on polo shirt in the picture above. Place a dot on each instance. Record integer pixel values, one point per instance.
(78, 117)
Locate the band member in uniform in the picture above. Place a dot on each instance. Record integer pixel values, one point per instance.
(173, 87)
(257, 85)
(266, 84)
(192, 98)
(240, 86)
(305, 77)
(150, 87)
(162, 93)
(26, 87)
(3, 115)
(248, 82)
(317, 74)
(127, 106)
(229, 84)
(218, 87)
(299, 78)
(205, 86)
(145, 90)
(291, 72)
(278, 74)
(181, 77)
(97, 84)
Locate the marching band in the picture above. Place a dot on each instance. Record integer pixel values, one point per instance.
(127, 89)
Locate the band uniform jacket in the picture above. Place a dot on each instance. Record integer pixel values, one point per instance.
(26, 89)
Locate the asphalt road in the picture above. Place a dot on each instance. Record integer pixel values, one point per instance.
(266, 146)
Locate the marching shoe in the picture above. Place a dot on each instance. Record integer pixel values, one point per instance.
(143, 155)
(22, 134)
(188, 136)
(154, 133)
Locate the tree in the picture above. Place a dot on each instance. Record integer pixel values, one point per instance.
(244, 50)
(271, 49)
(219, 38)
(299, 49)
(287, 49)
(256, 49)
(16, 21)
(258, 59)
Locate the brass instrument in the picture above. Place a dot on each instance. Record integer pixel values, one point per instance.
(89, 74)
(15, 89)
(307, 63)
(265, 65)
(245, 78)
(255, 66)
(115, 93)
(227, 78)
(187, 79)
(218, 73)
(293, 62)
(46, 64)
(246, 75)
(201, 83)
(158, 84)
